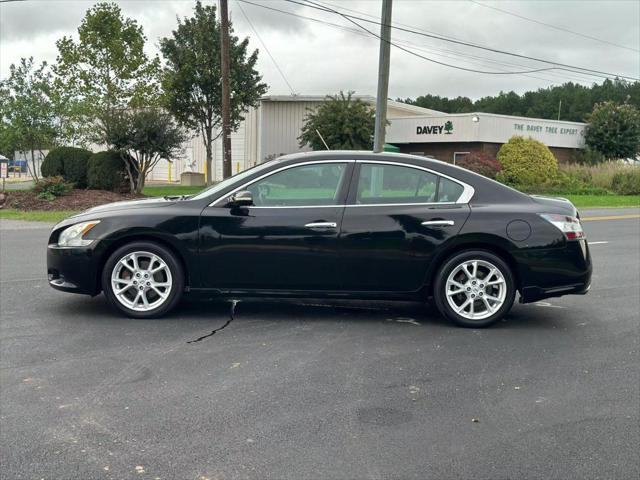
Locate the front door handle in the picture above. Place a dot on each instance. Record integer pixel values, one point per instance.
(439, 223)
(322, 225)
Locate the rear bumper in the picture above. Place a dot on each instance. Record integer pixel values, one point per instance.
(556, 272)
(73, 270)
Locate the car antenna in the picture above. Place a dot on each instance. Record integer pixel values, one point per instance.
(325, 143)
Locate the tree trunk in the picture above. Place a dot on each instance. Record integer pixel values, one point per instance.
(208, 147)
(34, 170)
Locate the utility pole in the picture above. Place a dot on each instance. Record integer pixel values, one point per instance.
(383, 77)
(226, 90)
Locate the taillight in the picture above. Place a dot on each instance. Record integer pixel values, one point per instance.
(570, 226)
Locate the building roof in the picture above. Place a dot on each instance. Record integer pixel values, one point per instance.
(414, 109)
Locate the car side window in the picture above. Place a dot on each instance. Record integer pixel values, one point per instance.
(301, 186)
(383, 183)
(449, 191)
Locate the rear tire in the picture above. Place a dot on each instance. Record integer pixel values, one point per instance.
(474, 288)
(143, 280)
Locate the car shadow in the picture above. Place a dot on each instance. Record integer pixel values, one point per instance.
(198, 310)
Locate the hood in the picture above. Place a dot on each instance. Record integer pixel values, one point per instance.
(557, 205)
(129, 204)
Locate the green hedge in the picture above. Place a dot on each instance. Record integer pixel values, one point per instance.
(107, 171)
(69, 163)
(526, 161)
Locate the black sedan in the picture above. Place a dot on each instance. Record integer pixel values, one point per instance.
(331, 224)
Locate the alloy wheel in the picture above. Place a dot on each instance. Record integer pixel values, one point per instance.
(476, 289)
(141, 281)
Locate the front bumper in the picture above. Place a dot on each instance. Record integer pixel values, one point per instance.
(73, 270)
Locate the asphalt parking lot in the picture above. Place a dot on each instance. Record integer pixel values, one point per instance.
(316, 390)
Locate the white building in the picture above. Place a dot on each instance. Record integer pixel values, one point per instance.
(269, 130)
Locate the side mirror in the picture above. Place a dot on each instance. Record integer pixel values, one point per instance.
(241, 199)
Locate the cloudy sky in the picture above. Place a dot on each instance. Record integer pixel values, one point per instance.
(318, 58)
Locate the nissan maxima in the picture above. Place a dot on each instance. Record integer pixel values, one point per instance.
(338, 224)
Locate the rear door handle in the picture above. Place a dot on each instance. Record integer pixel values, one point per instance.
(322, 225)
(439, 223)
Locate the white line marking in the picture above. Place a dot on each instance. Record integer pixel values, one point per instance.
(598, 243)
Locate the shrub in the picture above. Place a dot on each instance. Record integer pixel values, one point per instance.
(107, 171)
(69, 162)
(480, 163)
(48, 188)
(526, 161)
(588, 156)
(627, 182)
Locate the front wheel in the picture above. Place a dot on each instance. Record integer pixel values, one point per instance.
(474, 289)
(143, 280)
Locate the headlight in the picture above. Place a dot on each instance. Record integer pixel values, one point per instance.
(73, 235)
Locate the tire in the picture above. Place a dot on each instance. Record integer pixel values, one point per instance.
(484, 302)
(154, 275)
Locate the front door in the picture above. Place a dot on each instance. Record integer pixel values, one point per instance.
(288, 239)
(396, 217)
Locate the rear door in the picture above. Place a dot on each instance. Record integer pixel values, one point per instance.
(396, 218)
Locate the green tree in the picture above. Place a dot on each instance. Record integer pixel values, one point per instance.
(614, 130)
(26, 110)
(144, 137)
(192, 76)
(107, 69)
(345, 123)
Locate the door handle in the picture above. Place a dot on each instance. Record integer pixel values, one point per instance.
(322, 225)
(439, 223)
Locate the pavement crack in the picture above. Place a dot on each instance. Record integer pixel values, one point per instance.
(213, 332)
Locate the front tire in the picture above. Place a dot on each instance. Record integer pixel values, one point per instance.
(143, 280)
(474, 288)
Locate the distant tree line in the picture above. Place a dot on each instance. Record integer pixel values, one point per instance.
(577, 101)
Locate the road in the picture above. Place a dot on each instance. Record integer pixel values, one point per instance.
(316, 390)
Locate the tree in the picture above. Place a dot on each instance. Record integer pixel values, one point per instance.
(107, 69)
(614, 130)
(192, 80)
(143, 137)
(26, 110)
(345, 123)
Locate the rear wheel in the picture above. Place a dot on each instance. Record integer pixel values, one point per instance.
(474, 288)
(143, 280)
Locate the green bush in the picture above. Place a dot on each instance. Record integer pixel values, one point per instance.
(68, 162)
(526, 161)
(627, 182)
(49, 188)
(107, 171)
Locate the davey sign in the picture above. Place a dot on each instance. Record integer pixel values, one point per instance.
(447, 128)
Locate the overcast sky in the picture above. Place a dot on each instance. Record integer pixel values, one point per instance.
(322, 59)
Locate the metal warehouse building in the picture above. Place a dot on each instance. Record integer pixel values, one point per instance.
(269, 130)
(272, 128)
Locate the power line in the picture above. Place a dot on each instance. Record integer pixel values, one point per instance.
(265, 47)
(435, 52)
(556, 65)
(556, 27)
(411, 52)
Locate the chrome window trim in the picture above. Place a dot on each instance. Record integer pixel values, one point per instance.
(268, 174)
(467, 192)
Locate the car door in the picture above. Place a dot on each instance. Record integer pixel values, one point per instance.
(288, 238)
(397, 216)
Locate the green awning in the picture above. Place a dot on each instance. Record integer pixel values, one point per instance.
(390, 148)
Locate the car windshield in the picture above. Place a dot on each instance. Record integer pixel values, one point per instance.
(220, 186)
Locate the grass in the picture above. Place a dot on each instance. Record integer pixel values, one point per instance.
(170, 190)
(53, 216)
(598, 201)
